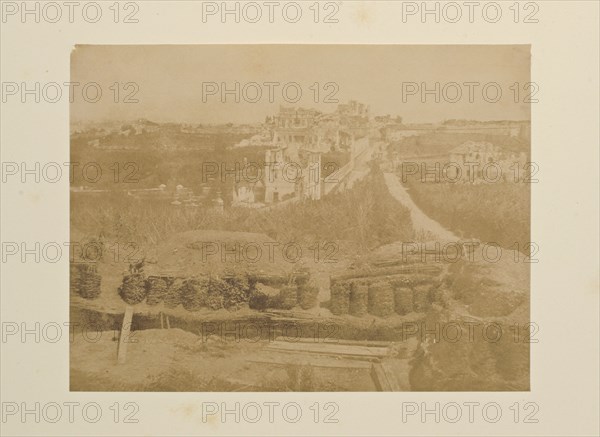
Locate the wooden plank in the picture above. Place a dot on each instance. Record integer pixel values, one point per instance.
(286, 359)
(124, 337)
(380, 378)
(330, 349)
(373, 359)
(340, 341)
(396, 374)
(391, 262)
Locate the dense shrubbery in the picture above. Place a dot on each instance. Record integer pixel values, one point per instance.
(367, 214)
(498, 213)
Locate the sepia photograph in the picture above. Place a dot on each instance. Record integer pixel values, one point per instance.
(299, 218)
(304, 218)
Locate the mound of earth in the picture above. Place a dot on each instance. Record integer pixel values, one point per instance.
(490, 289)
(485, 285)
(205, 252)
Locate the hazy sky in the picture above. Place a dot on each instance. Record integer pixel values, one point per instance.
(171, 77)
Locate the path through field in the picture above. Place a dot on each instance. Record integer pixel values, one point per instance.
(422, 223)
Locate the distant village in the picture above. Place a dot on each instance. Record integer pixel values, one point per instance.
(308, 153)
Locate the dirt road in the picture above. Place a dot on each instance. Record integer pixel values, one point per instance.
(424, 226)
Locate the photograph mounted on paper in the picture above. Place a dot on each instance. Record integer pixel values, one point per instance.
(301, 218)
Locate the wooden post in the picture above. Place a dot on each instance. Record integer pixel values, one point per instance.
(168, 323)
(124, 337)
(162, 326)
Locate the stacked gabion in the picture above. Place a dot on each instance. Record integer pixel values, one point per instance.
(263, 297)
(421, 298)
(403, 299)
(88, 283)
(193, 293)
(259, 301)
(381, 299)
(133, 288)
(156, 290)
(288, 297)
(216, 291)
(308, 294)
(74, 278)
(359, 299)
(173, 294)
(236, 292)
(340, 298)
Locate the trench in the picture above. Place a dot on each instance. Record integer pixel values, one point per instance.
(259, 327)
